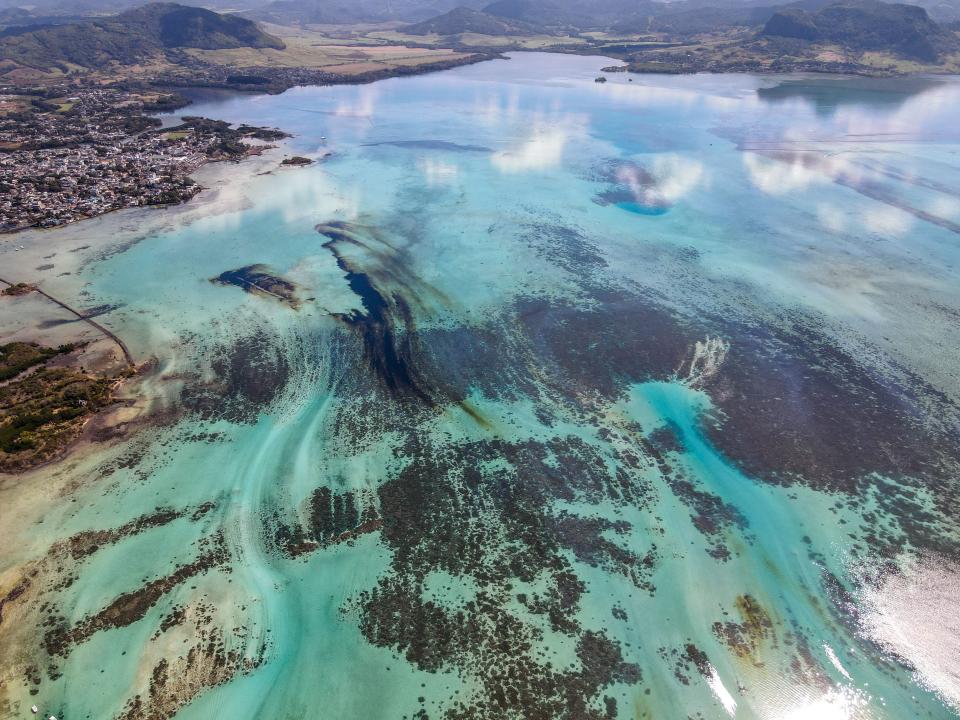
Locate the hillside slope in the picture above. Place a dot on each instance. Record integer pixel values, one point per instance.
(861, 25)
(183, 26)
(132, 36)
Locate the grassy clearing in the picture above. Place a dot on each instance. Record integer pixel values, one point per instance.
(532, 42)
(477, 41)
(320, 50)
(886, 61)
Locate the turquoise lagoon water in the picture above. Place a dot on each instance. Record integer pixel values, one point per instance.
(628, 400)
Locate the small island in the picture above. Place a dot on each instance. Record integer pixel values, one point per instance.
(296, 161)
(18, 289)
(258, 279)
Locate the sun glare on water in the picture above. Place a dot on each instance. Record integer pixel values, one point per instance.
(837, 704)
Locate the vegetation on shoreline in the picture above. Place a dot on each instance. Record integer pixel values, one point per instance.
(17, 289)
(17, 357)
(43, 407)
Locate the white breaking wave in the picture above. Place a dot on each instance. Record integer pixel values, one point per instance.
(704, 361)
(835, 661)
(720, 691)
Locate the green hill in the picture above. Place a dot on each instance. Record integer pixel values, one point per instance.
(183, 26)
(133, 36)
(861, 25)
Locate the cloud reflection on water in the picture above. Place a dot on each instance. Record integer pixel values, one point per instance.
(676, 176)
(542, 148)
(782, 172)
(362, 105)
(437, 172)
(888, 220)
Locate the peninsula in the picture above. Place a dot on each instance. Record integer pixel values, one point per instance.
(78, 136)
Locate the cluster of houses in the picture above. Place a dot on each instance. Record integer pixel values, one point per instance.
(82, 155)
(45, 188)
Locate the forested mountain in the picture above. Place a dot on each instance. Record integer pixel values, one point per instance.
(866, 25)
(131, 36)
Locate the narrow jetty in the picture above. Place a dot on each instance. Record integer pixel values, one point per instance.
(106, 331)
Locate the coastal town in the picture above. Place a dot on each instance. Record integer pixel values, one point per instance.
(92, 151)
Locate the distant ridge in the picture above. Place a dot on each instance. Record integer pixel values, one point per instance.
(688, 15)
(354, 11)
(132, 36)
(467, 20)
(530, 11)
